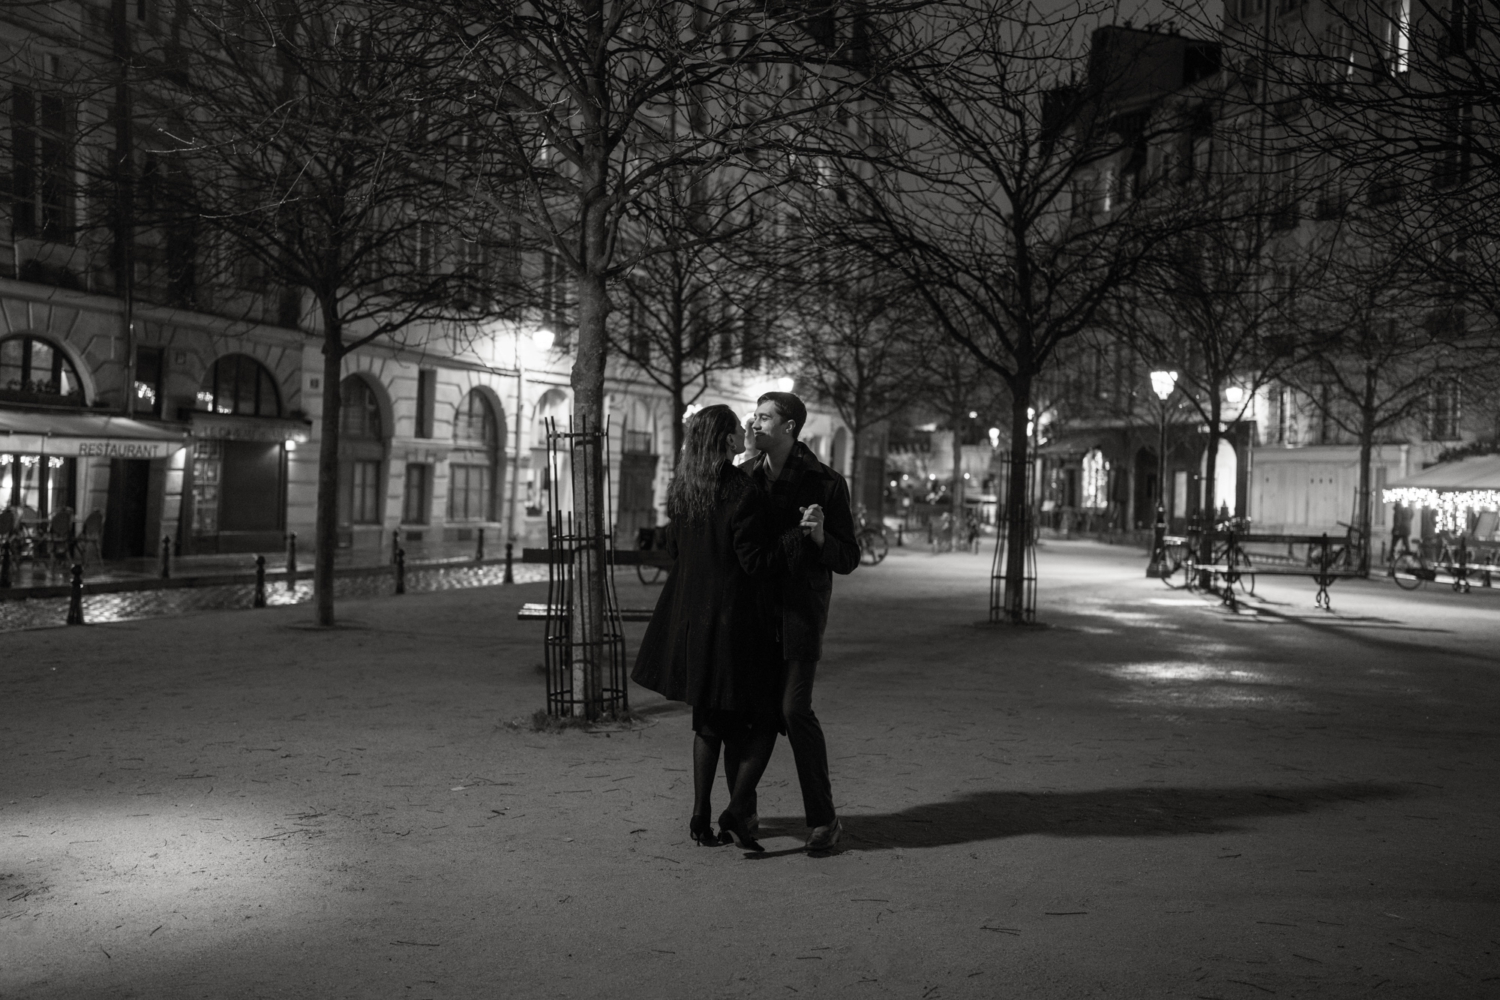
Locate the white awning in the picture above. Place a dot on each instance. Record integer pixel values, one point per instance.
(85, 435)
(1481, 472)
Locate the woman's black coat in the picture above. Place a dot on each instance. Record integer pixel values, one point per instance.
(711, 641)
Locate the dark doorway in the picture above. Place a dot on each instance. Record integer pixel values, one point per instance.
(250, 487)
(1146, 487)
(637, 497)
(125, 516)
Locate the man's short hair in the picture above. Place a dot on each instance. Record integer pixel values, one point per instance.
(790, 406)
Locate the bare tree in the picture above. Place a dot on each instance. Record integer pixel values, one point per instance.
(1211, 302)
(857, 350)
(693, 305)
(599, 103)
(983, 178)
(306, 143)
(1381, 340)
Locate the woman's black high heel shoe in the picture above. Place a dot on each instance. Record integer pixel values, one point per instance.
(702, 832)
(731, 826)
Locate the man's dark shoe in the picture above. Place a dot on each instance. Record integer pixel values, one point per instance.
(825, 837)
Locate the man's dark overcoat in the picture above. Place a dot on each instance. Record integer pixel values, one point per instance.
(808, 586)
(711, 641)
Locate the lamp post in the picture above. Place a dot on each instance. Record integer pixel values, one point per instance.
(1162, 383)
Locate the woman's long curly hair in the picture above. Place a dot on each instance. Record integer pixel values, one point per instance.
(697, 486)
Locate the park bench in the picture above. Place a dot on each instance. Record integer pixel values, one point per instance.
(617, 557)
(1233, 562)
(551, 612)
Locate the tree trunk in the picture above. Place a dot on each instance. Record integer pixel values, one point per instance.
(957, 489)
(679, 409)
(855, 497)
(1208, 511)
(589, 495)
(326, 533)
(1017, 502)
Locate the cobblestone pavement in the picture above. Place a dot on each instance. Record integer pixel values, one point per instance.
(50, 612)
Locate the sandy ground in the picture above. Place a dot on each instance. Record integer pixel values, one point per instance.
(1151, 797)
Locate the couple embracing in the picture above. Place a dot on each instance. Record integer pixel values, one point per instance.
(738, 630)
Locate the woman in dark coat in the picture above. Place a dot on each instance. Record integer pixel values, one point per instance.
(710, 642)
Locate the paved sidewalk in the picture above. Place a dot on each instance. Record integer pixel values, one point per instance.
(1152, 797)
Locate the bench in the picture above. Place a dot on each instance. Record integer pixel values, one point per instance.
(1320, 571)
(551, 612)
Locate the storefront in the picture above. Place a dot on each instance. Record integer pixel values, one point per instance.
(55, 462)
(235, 496)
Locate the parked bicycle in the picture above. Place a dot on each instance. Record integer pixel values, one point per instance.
(1412, 568)
(651, 540)
(873, 545)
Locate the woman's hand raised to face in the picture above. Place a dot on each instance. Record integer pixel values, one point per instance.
(747, 443)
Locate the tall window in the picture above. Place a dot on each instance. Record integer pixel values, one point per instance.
(474, 463)
(34, 371)
(1446, 411)
(238, 385)
(361, 452)
(364, 492)
(1397, 41)
(416, 494)
(42, 170)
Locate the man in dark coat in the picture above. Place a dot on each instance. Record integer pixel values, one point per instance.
(804, 492)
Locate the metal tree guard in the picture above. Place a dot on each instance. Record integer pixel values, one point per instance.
(999, 604)
(572, 656)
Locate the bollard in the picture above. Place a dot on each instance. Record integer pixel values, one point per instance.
(291, 561)
(899, 529)
(260, 583)
(510, 548)
(166, 558)
(4, 562)
(75, 601)
(400, 571)
(395, 543)
(479, 547)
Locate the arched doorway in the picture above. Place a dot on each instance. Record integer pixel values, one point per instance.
(362, 452)
(555, 406)
(239, 464)
(1147, 488)
(1226, 478)
(476, 467)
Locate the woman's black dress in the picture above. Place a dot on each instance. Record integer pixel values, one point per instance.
(712, 641)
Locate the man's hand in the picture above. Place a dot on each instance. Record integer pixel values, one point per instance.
(812, 524)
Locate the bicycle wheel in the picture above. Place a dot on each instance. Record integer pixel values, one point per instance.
(1406, 571)
(1246, 578)
(873, 548)
(1174, 567)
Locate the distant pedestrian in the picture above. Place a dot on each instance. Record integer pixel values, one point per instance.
(711, 642)
(809, 496)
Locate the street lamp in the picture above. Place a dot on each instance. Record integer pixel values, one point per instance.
(1162, 383)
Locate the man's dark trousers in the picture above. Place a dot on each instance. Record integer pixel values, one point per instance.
(802, 602)
(805, 735)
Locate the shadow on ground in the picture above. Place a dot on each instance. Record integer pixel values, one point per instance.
(1114, 812)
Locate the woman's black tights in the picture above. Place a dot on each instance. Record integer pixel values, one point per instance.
(750, 746)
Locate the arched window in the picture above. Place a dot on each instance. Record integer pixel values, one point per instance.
(474, 467)
(361, 452)
(32, 370)
(555, 406)
(240, 386)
